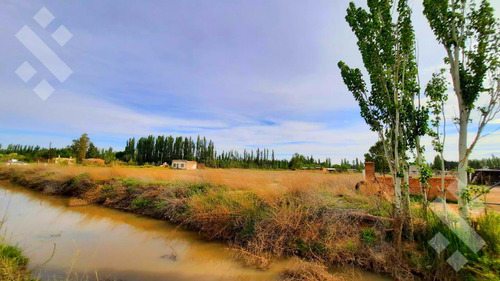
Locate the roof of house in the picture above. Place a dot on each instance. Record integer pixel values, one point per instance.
(94, 160)
(182, 160)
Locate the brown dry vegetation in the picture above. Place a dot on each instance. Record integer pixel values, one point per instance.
(307, 271)
(256, 180)
(262, 214)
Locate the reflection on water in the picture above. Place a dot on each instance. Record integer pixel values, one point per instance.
(98, 241)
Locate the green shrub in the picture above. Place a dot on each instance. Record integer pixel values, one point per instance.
(483, 265)
(488, 227)
(159, 205)
(368, 236)
(197, 188)
(13, 253)
(140, 203)
(486, 265)
(351, 246)
(80, 179)
(108, 188)
(79, 185)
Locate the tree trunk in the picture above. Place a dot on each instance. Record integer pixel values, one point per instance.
(407, 208)
(407, 193)
(463, 159)
(423, 187)
(398, 231)
(397, 191)
(443, 188)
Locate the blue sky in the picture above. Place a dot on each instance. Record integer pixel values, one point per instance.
(244, 73)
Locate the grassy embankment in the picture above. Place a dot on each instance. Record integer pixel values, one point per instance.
(13, 265)
(262, 214)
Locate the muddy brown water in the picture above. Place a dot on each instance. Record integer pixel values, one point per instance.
(95, 243)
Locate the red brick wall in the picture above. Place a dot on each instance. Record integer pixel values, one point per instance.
(435, 183)
(370, 171)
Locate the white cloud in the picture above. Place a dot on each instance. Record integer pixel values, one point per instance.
(72, 113)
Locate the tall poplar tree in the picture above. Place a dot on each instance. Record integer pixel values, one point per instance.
(130, 150)
(470, 35)
(169, 149)
(387, 47)
(436, 92)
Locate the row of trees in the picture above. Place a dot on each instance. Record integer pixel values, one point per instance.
(161, 149)
(157, 150)
(376, 155)
(391, 100)
(31, 153)
(493, 162)
(259, 159)
(437, 165)
(81, 148)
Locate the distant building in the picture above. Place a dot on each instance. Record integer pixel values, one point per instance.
(486, 176)
(94, 161)
(14, 162)
(64, 161)
(413, 172)
(184, 165)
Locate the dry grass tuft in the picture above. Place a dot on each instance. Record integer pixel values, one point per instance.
(262, 261)
(77, 202)
(307, 271)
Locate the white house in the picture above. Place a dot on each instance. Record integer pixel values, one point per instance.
(184, 165)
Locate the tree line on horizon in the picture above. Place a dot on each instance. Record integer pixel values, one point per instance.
(376, 155)
(157, 150)
(153, 150)
(164, 149)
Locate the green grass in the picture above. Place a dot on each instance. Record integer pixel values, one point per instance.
(14, 254)
(368, 236)
(13, 265)
(484, 265)
(141, 203)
